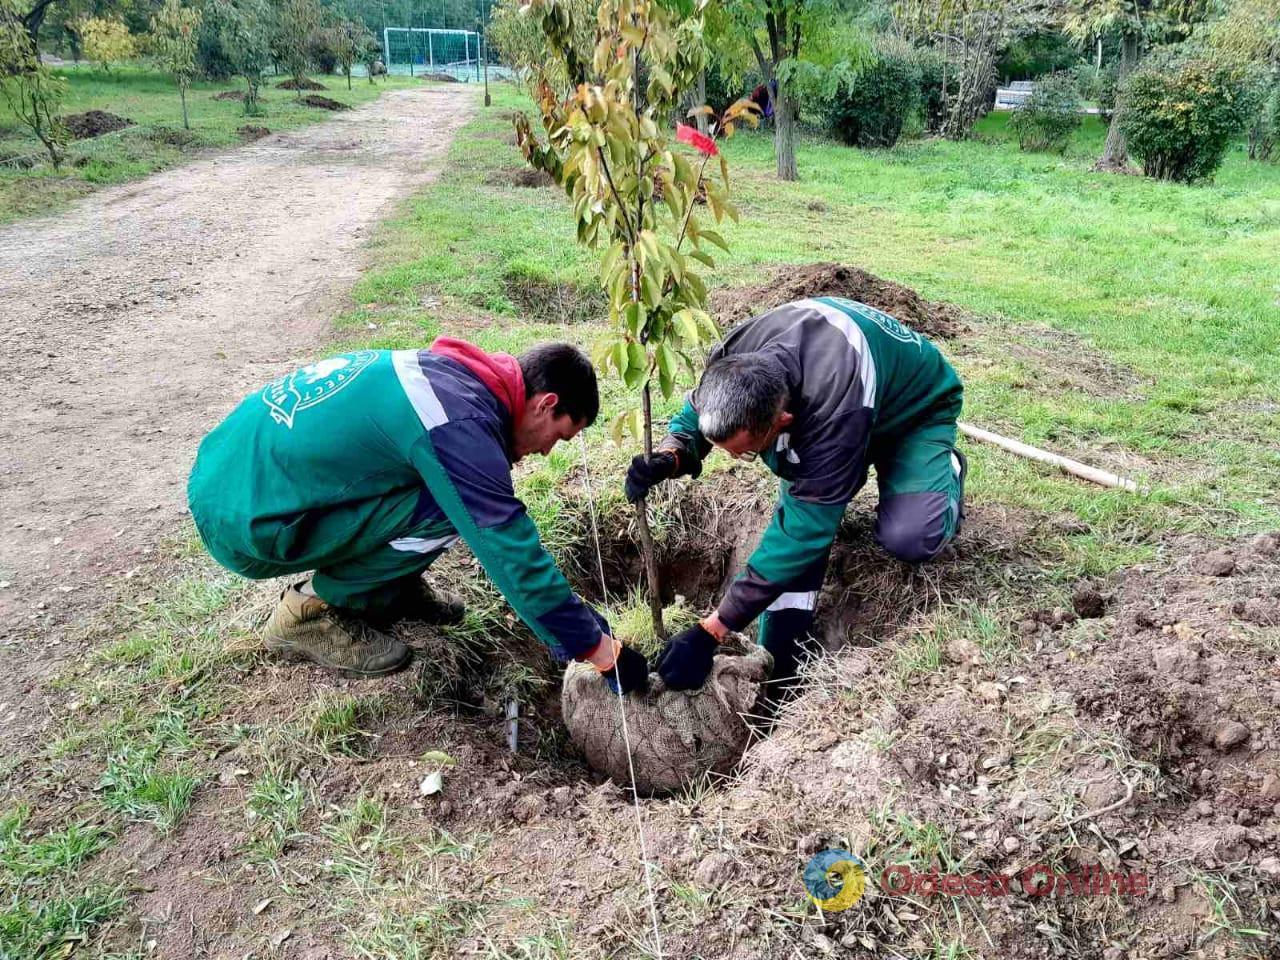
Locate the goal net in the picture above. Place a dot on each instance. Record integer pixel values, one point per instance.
(415, 50)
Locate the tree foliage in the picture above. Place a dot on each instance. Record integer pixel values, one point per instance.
(869, 107)
(175, 33)
(107, 40)
(522, 44)
(34, 96)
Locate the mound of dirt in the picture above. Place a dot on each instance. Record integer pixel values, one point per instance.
(520, 177)
(324, 103)
(171, 136)
(937, 320)
(236, 95)
(94, 123)
(292, 84)
(251, 132)
(675, 736)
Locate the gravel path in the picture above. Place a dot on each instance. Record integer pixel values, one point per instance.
(134, 321)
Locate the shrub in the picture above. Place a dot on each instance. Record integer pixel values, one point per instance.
(1180, 115)
(869, 108)
(1262, 108)
(1046, 120)
(1099, 86)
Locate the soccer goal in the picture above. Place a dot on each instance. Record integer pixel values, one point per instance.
(414, 50)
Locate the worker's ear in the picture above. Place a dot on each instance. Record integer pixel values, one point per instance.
(547, 402)
(785, 419)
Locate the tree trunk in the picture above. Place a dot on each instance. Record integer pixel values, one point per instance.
(182, 92)
(784, 135)
(700, 99)
(1115, 152)
(348, 78)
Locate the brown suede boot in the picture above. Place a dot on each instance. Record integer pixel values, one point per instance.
(307, 628)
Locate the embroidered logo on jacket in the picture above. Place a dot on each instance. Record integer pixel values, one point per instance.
(894, 328)
(287, 397)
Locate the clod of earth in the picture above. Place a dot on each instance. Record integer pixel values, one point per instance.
(237, 95)
(94, 123)
(1217, 563)
(675, 736)
(304, 84)
(324, 103)
(252, 132)
(937, 320)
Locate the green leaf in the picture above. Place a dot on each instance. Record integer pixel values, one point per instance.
(620, 358)
(715, 238)
(637, 365)
(632, 316)
(687, 326)
(610, 259)
(702, 257)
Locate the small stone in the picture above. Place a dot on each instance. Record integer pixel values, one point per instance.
(1270, 866)
(989, 692)
(528, 808)
(1229, 734)
(1011, 844)
(1204, 808)
(1217, 563)
(1087, 601)
(963, 651)
(714, 870)
(1270, 787)
(1113, 953)
(823, 944)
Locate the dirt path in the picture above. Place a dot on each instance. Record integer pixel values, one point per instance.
(134, 321)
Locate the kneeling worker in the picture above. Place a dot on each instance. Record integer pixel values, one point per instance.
(819, 389)
(366, 467)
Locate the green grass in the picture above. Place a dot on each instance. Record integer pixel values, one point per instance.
(1167, 290)
(150, 100)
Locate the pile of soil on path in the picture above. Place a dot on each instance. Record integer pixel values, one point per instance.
(798, 282)
(324, 103)
(292, 84)
(252, 132)
(94, 123)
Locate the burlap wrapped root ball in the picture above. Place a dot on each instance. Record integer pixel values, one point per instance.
(676, 735)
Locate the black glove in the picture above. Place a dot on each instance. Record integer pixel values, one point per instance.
(686, 660)
(630, 672)
(645, 474)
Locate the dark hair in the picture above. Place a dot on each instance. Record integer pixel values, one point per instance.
(743, 392)
(564, 370)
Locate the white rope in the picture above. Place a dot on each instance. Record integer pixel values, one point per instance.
(622, 712)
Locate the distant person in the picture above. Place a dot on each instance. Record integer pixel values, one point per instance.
(819, 389)
(366, 467)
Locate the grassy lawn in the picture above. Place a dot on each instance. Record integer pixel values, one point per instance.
(1126, 322)
(157, 140)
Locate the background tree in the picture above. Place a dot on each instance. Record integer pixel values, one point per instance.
(633, 192)
(775, 31)
(244, 29)
(34, 96)
(349, 39)
(1248, 36)
(107, 40)
(175, 33)
(296, 22)
(371, 56)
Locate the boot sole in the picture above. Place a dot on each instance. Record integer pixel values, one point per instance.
(298, 656)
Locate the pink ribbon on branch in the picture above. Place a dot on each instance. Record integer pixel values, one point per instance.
(699, 141)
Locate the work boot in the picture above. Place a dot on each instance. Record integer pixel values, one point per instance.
(424, 603)
(306, 628)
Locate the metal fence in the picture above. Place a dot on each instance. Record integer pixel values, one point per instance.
(417, 50)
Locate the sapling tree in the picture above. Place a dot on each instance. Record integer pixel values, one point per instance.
(608, 144)
(244, 32)
(175, 34)
(32, 93)
(107, 40)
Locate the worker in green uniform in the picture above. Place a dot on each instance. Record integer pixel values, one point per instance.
(366, 467)
(819, 389)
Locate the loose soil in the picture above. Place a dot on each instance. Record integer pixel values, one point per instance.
(324, 103)
(251, 132)
(138, 318)
(235, 95)
(94, 123)
(303, 84)
(520, 177)
(937, 320)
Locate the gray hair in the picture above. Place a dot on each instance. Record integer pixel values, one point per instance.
(743, 392)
